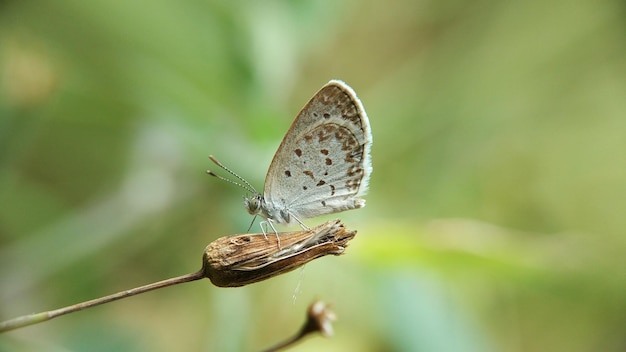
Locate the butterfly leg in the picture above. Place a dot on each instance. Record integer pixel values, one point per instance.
(304, 227)
(270, 222)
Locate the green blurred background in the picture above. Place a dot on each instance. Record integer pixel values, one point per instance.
(496, 213)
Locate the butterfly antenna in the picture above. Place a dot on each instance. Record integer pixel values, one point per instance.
(246, 185)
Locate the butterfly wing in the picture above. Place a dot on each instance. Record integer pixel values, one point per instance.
(323, 163)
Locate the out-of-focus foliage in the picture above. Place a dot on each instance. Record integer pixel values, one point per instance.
(495, 219)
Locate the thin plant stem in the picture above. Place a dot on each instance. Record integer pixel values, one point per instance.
(291, 341)
(35, 318)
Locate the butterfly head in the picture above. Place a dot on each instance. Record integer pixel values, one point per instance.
(253, 204)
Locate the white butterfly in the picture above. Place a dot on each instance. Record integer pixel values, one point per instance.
(322, 165)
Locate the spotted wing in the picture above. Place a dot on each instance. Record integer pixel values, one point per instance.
(323, 163)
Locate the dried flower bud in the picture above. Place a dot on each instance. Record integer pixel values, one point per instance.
(239, 260)
(319, 318)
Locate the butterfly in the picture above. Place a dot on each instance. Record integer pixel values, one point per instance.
(323, 164)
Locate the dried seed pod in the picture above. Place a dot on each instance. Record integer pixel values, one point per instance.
(239, 260)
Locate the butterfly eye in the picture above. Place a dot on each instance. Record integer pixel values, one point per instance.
(253, 205)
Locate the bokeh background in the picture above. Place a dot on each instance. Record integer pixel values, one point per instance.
(496, 213)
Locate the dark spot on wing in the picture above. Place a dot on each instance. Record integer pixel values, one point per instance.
(322, 136)
(322, 182)
(353, 184)
(288, 173)
(298, 152)
(329, 161)
(309, 173)
(354, 170)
